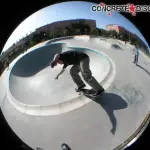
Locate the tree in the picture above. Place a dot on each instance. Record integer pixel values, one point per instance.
(87, 29)
(114, 33)
(94, 32)
(108, 33)
(65, 32)
(99, 32)
(57, 32)
(32, 43)
(103, 32)
(51, 33)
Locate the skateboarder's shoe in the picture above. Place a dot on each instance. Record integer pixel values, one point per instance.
(80, 88)
(99, 92)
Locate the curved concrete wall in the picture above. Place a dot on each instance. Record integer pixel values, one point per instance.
(32, 72)
(33, 91)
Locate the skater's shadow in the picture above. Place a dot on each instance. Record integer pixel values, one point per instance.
(109, 103)
(144, 69)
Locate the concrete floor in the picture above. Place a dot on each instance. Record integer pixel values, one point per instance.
(101, 124)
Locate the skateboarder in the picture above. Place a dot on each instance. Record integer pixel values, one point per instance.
(135, 54)
(81, 63)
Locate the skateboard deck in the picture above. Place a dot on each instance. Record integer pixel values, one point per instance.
(89, 92)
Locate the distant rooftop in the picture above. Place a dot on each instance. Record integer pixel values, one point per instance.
(122, 27)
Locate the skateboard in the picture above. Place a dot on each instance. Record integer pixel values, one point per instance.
(89, 92)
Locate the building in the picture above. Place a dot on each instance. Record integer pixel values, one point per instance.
(66, 24)
(113, 27)
(52, 27)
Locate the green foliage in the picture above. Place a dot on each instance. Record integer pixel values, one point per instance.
(66, 32)
(32, 43)
(94, 32)
(114, 34)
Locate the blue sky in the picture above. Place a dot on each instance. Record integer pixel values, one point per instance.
(66, 11)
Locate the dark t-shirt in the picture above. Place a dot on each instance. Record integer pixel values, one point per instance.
(72, 57)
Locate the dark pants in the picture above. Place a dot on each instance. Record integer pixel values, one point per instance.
(84, 67)
(136, 57)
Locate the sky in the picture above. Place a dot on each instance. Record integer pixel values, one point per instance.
(66, 11)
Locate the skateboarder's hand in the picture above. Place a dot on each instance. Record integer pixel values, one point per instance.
(57, 78)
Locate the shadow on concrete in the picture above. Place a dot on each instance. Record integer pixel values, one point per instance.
(116, 47)
(144, 69)
(109, 103)
(103, 40)
(37, 60)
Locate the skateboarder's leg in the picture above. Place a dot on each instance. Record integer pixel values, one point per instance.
(74, 71)
(137, 58)
(87, 75)
(134, 59)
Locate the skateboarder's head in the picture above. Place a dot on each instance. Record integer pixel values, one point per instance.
(56, 60)
(53, 64)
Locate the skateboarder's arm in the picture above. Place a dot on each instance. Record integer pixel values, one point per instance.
(63, 69)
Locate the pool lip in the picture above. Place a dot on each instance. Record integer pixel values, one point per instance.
(77, 102)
